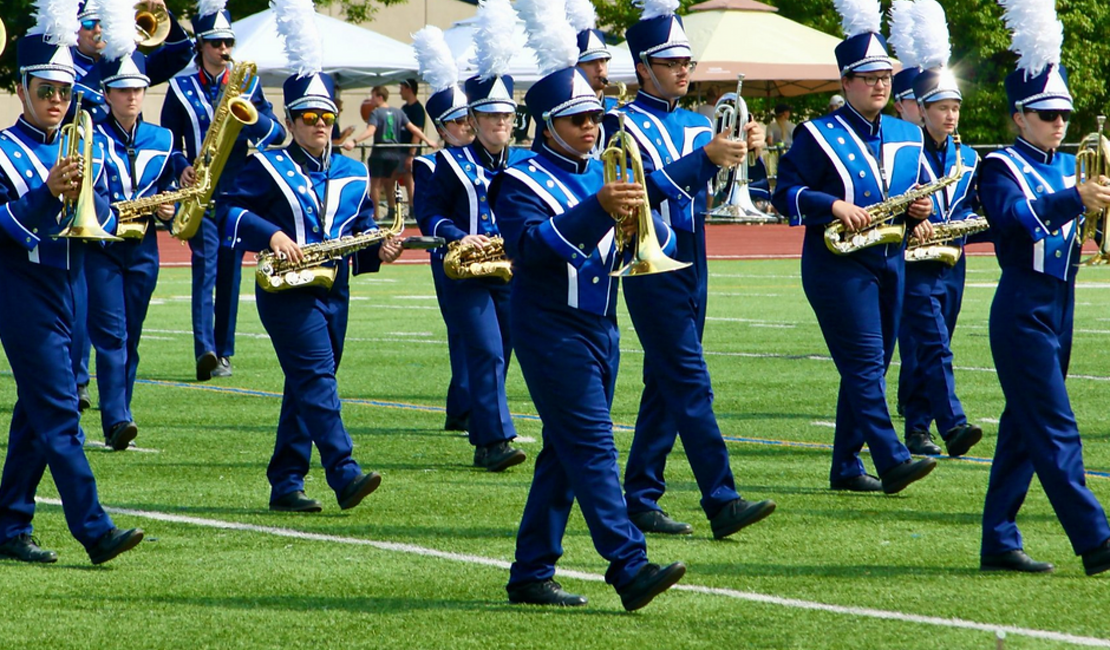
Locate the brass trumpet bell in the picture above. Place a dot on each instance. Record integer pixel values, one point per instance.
(1092, 161)
(77, 143)
(152, 24)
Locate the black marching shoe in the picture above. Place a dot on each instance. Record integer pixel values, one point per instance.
(959, 440)
(543, 592)
(121, 435)
(295, 502)
(1013, 561)
(206, 363)
(113, 543)
(498, 457)
(861, 483)
(739, 514)
(657, 521)
(920, 443)
(24, 548)
(649, 583)
(456, 424)
(897, 479)
(223, 367)
(359, 489)
(84, 400)
(1098, 560)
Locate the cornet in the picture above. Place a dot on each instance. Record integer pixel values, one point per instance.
(1092, 161)
(77, 143)
(731, 115)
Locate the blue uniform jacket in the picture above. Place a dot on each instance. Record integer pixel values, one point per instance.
(1034, 209)
(187, 111)
(29, 214)
(139, 164)
(955, 202)
(456, 203)
(289, 190)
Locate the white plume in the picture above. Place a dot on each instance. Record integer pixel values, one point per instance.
(859, 16)
(117, 24)
(549, 34)
(493, 38)
(57, 21)
(1037, 33)
(437, 65)
(581, 14)
(655, 8)
(296, 22)
(902, 32)
(930, 32)
(209, 7)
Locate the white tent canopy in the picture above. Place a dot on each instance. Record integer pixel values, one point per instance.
(522, 68)
(353, 56)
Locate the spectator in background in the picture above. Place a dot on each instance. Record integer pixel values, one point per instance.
(414, 110)
(781, 130)
(835, 102)
(337, 136)
(712, 95)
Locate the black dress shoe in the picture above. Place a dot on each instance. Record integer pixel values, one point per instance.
(84, 401)
(861, 483)
(739, 514)
(295, 502)
(657, 521)
(543, 592)
(206, 363)
(121, 435)
(1098, 560)
(223, 367)
(1013, 561)
(113, 543)
(359, 489)
(649, 583)
(24, 548)
(498, 457)
(456, 424)
(920, 443)
(959, 440)
(897, 479)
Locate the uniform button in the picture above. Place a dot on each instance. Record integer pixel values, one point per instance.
(687, 188)
(467, 168)
(28, 240)
(828, 125)
(574, 256)
(316, 229)
(647, 125)
(840, 140)
(1027, 169)
(666, 161)
(862, 174)
(851, 156)
(29, 173)
(301, 189)
(485, 217)
(531, 168)
(115, 195)
(289, 173)
(1037, 230)
(1055, 233)
(867, 192)
(550, 184)
(596, 279)
(17, 154)
(35, 230)
(477, 181)
(280, 158)
(581, 247)
(1040, 188)
(483, 199)
(1058, 253)
(309, 210)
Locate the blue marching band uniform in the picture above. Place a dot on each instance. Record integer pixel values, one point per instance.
(188, 112)
(311, 199)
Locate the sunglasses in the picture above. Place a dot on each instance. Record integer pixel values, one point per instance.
(217, 42)
(1050, 116)
(47, 92)
(580, 119)
(311, 118)
(90, 24)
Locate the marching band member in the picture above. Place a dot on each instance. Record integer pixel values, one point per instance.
(268, 208)
(555, 213)
(187, 112)
(840, 163)
(593, 57)
(447, 108)
(668, 309)
(934, 289)
(1034, 206)
(457, 208)
(121, 277)
(39, 272)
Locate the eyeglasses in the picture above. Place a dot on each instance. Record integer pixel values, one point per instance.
(90, 24)
(47, 91)
(311, 118)
(217, 42)
(580, 119)
(872, 80)
(675, 65)
(1050, 116)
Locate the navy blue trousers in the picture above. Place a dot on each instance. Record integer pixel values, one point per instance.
(307, 327)
(570, 365)
(927, 384)
(121, 278)
(668, 312)
(216, 274)
(857, 299)
(81, 341)
(1031, 334)
(479, 311)
(458, 390)
(37, 335)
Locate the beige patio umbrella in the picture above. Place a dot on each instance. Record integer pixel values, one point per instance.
(778, 57)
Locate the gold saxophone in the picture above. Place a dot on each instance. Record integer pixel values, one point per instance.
(131, 215)
(233, 111)
(466, 261)
(880, 230)
(934, 248)
(1092, 161)
(276, 273)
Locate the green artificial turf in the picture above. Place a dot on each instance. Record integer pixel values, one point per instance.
(192, 586)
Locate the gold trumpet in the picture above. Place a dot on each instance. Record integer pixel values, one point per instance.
(77, 144)
(621, 156)
(152, 24)
(1092, 161)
